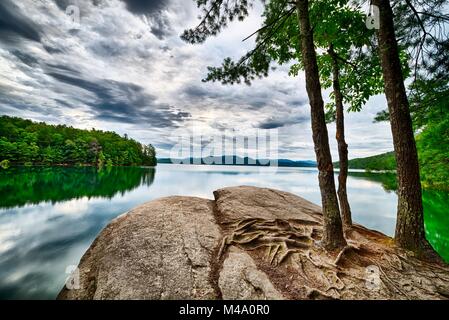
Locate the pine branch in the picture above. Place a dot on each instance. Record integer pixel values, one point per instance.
(280, 16)
(265, 40)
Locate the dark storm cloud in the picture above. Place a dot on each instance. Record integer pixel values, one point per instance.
(123, 102)
(25, 58)
(52, 50)
(199, 92)
(161, 27)
(270, 124)
(299, 102)
(10, 103)
(253, 100)
(279, 122)
(145, 6)
(60, 68)
(153, 10)
(63, 4)
(112, 49)
(165, 145)
(14, 24)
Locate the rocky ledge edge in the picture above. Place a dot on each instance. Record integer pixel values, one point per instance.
(248, 243)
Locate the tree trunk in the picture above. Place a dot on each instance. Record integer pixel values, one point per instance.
(333, 231)
(345, 209)
(410, 221)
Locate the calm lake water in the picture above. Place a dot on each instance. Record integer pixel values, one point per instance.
(50, 216)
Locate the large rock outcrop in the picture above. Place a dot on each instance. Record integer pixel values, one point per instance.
(249, 243)
(160, 250)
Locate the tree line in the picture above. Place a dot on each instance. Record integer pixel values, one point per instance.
(380, 162)
(26, 142)
(332, 43)
(432, 148)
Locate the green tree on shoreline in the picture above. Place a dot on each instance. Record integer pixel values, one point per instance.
(26, 142)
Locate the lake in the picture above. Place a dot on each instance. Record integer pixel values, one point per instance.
(50, 216)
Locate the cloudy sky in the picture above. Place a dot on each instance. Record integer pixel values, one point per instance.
(124, 68)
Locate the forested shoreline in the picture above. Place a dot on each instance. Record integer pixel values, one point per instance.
(379, 162)
(24, 142)
(433, 162)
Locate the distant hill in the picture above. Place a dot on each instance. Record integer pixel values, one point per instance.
(380, 162)
(238, 161)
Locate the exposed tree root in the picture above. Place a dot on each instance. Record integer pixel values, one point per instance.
(280, 237)
(316, 294)
(287, 250)
(342, 253)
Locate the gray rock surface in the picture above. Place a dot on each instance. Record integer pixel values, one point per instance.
(241, 280)
(160, 250)
(166, 249)
(249, 202)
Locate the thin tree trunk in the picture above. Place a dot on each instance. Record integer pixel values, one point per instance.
(345, 209)
(410, 222)
(333, 231)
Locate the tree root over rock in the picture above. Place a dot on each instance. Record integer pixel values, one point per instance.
(280, 238)
(369, 267)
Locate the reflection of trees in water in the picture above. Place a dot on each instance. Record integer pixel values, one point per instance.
(436, 217)
(31, 185)
(387, 180)
(436, 214)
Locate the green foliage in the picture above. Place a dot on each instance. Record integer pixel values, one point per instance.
(429, 102)
(101, 159)
(429, 106)
(381, 162)
(382, 116)
(4, 164)
(433, 152)
(26, 142)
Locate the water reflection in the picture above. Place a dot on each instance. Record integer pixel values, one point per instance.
(436, 214)
(50, 216)
(387, 180)
(22, 185)
(436, 217)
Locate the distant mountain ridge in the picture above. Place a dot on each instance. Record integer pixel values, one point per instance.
(240, 161)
